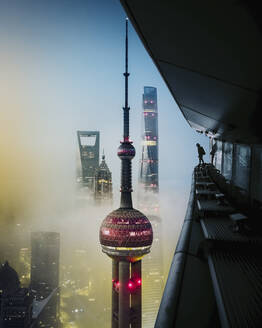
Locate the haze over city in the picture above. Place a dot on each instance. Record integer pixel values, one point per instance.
(62, 71)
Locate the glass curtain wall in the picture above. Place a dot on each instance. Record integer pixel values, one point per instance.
(256, 189)
(242, 166)
(227, 160)
(219, 155)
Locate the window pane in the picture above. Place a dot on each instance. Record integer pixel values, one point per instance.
(257, 174)
(227, 160)
(218, 155)
(242, 166)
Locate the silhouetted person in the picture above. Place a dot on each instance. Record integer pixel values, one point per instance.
(201, 153)
(213, 152)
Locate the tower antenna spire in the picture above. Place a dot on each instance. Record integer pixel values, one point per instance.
(126, 151)
(126, 235)
(126, 75)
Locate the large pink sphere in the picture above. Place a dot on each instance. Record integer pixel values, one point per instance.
(126, 228)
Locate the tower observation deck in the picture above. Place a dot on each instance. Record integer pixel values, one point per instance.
(126, 236)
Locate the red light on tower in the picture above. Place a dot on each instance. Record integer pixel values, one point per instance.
(126, 234)
(133, 284)
(115, 283)
(130, 285)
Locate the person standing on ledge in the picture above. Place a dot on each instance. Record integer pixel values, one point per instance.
(201, 153)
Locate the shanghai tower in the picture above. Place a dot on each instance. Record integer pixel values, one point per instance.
(126, 235)
(149, 161)
(148, 201)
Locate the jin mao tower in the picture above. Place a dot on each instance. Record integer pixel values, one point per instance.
(103, 183)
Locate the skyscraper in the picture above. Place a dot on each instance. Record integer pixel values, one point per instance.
(16, 303)
(215, 276)
(153, 279)
(103, 183)
(88, 142)
(45, 250)
(149, 160)
(148, 201)
(126, 235)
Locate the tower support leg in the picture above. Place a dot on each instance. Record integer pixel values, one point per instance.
(124, 295)
(136, 300)
(115, 278)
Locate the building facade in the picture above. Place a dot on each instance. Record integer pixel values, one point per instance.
(103, 183)
(16, 309)
(45, 250)
(152, 273)
(16, 303)
(88, 142)
(149, 160)
(149, 202)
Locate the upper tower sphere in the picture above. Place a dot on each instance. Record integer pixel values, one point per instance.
(126, 150)
(126, 232)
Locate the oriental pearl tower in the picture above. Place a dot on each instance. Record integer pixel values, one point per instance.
(126, 236)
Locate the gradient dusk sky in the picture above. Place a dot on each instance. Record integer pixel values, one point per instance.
(62, 64)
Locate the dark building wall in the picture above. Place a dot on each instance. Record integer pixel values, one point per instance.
(16, 309)
(241, 165)
(256, 182)
(45, 248)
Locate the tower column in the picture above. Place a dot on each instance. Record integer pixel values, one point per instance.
(115, 279)
(136, 301)
(126, 235)
(124, 295)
